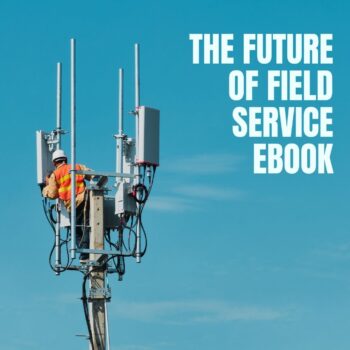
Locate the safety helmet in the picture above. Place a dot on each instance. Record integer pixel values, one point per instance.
(58, 155)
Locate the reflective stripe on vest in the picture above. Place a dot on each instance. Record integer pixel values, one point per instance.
(63, 178)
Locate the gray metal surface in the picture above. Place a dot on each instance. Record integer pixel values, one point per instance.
(111, 221)
(124, 203)
(148, 145)
(103, 173)
(58, 146)
(43, 157)
(137, 169)
(73, 184)
(120, 136)
(59, 104)
(100, 293)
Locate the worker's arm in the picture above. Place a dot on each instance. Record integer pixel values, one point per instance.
(87, 177)
(51, 188)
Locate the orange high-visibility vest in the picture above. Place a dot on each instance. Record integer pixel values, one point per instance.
(63, 179)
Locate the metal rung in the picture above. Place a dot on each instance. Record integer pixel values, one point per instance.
(100, 251)
(108, 174)
(99, 293)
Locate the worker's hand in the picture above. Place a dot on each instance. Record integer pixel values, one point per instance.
(47, 179)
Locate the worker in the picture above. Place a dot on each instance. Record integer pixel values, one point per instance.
(58, 185)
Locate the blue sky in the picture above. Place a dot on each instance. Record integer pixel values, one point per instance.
(235, 260)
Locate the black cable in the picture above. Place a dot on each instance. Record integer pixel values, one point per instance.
(50, 213)
(69, 261)
(136, 190)
(121, 267)
(129, 238)
(51, 221)
(44, 201)
(139, 216)
(86, 308)
(114, 263)
(63, 242)
(146, 240)
(84, 298)
(111, 244)
(109, 241)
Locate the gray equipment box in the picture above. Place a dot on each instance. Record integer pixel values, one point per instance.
(148, 145)
(44, 164)
(65, 216)
(124, 203)
(111, 220)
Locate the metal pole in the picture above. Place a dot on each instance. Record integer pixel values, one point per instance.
(119, 162)
(72, 111)
(58, 237)
(97, 278)
(137, 168)
(137, 75)
(59, 104)
(107, 328)
(58, 146)
(137, 103)
(121, 106)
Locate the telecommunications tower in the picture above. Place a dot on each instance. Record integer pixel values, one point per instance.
(113, 202)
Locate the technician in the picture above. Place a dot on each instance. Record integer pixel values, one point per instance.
(58, 185)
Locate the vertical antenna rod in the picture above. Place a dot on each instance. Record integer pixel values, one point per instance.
(121, 106)
(137, 75)
(58, 146)
(59, 104)
(119, 163)
(107, 327)
(72, 113)
(137, 104)
(137, 168)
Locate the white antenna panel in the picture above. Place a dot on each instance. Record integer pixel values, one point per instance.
(44, 164)
(148, 145)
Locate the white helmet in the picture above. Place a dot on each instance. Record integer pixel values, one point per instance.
(58, 154)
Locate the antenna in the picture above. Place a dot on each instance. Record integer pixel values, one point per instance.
(73, 171)
(137, 168)
(119, 136)
(58, 146)
(137, 101)
(59, 104)
(121, 96)
(105, 214)
(137, 75)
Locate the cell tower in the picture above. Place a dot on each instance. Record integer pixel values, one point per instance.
(112, 214)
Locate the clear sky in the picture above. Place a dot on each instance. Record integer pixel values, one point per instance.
(235, 260)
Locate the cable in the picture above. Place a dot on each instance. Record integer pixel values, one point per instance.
(140, 189)
(48, 217)
(142, 203)
(86, 308)
(121, 267)
(84, 298)
(52, 222)
(50, 213)
(63, 242)
(44, 202)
